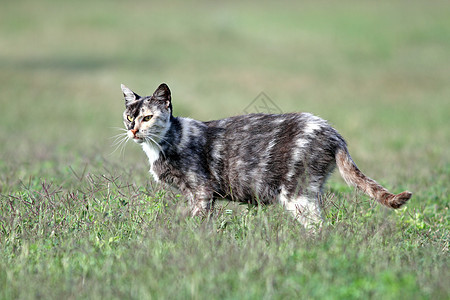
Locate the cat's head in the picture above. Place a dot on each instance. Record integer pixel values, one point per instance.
(147, 118)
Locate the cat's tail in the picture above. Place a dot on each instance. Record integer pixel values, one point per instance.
(354, 177)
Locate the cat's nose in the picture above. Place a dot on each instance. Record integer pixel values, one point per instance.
(134, 131)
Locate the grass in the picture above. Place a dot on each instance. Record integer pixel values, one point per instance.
(79, 222)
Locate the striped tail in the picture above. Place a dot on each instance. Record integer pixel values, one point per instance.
(354, 177)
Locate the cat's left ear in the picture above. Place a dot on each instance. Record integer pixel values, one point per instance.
(129, 95)
(162, 93)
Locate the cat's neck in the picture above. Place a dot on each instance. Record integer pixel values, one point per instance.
(178, 132)
(157, 147)
(176, 135)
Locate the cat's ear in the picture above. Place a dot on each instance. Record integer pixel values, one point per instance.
(162, 93)
(129, 95)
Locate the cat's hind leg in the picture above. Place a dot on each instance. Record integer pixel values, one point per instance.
(304, 208)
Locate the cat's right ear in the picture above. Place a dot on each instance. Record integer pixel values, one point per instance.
(129, 95)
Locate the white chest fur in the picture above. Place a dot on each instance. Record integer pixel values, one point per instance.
(152, 152)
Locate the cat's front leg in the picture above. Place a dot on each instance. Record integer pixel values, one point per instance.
(202, 208)
(201, 204)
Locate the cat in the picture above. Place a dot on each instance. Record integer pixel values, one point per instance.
(256, 158)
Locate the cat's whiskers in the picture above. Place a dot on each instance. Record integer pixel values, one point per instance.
(123, 144)
(120, 146)
(120, 141)
(148, 138)
(118, 138)
(160, 138)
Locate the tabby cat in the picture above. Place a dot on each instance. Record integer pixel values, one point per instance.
(257, 158)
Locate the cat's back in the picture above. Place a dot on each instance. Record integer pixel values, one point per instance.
(253, 134)
(258, 125)
(265, 150)
(255, 138)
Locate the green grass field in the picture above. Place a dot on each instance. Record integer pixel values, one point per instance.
(79, 221)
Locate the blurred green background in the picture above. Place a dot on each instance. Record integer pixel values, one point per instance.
(379, 71)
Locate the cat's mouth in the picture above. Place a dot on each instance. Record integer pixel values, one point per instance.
(138, 140)
(135, 137)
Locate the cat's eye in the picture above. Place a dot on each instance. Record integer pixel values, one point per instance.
(147, 118)
(130, 118)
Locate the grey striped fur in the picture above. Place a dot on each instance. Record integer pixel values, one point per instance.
(257, 158)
